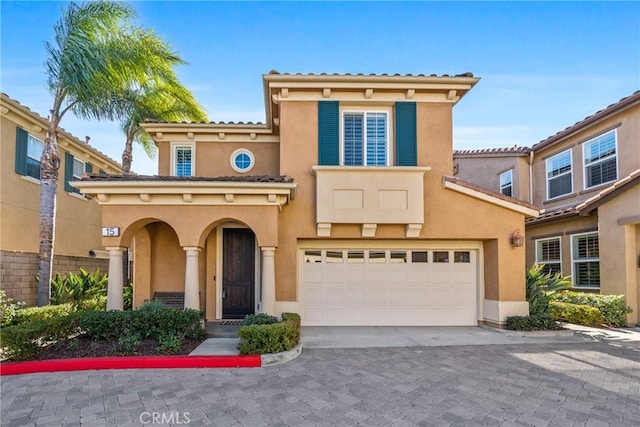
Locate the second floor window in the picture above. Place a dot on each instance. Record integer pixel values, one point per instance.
(34, 153)
(559, 176)
(506, 183)
(183, 161)
(600, 160)
(365, 138)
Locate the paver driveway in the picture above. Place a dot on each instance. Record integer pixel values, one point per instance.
(584, 383)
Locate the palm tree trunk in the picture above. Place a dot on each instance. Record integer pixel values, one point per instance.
(49, 165)
(127, 155)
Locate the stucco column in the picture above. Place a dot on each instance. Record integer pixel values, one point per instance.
(268, 280)
(114, 287)
(192, 278)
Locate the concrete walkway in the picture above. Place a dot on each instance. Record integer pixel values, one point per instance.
(423, 336)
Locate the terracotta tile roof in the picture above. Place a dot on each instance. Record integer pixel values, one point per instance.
(490, 193)
(210, 123)
(550, 215)
(159, 178)
(610, 192)
(467, 74)
(493, 151)
(591, 204)
(621, 104)
(67, 134)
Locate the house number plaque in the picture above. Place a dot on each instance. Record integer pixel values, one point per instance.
(110, 231)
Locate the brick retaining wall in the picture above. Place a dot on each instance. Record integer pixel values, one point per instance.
(18, 271)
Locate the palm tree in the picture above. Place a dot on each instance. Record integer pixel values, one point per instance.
(163, 99)
(95, 56)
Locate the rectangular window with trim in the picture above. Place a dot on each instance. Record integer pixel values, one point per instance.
(28, 154)
(365, 138)
(549, 253)
(559, 175)
(34, 154)
(506, 183)
(74, 168)
(600, 160)
(183, 160)
(585, 257)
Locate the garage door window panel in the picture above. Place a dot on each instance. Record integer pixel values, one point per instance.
(440, 257)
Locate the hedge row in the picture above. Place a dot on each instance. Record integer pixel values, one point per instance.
(576, 313)
(534, 322)
(270, 337)
(613, 307)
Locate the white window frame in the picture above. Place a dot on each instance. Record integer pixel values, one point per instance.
(29, 137)
(84, 168)
(503, 187)
(232, 160)
(546, 173)
(584, 158)
(389, 133)
(574, 261)
(547, 262)
(174, 147)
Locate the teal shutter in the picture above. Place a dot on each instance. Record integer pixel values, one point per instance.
(21, 151)
(68, 172)
(406, 136)
(328, 133)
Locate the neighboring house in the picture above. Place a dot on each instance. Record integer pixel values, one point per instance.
(586, 179)
(78, 218)
(342, 207)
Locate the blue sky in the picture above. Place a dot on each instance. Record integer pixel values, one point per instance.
(544, 65)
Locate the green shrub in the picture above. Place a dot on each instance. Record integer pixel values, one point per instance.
(128, 344)
(21, 341)
(613, 307)
(293, 317)
(150, 321)
(270, 338)
(31, 314)
(542, 286)
(8, 309)
(535, 322)
(127, 296)
(75, 288)
(576, 313)
(169, 343)
(97, 303)
(259, 319)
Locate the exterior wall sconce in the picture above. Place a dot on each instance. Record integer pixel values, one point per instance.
(517, 239)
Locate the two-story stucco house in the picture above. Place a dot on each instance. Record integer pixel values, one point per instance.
(586, 179)
(78, 241)
(342, 207)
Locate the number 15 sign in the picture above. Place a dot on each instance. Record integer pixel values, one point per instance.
(110, 231)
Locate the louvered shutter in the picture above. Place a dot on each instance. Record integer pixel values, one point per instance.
(21, 151)
(68, 172)
(406, 136)
(328, 133)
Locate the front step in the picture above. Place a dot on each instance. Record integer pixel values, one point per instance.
(222, 330)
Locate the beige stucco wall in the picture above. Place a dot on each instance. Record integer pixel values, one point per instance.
(627, 125)
(563, 229)
(213, 158)
(448, 215)
(78, 220)
(485, 171)
(618, 221)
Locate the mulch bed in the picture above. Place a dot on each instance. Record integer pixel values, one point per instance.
(83, 347)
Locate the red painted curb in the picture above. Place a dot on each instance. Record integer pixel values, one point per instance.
(138, 362)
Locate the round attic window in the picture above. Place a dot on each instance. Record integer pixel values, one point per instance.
(242, 160)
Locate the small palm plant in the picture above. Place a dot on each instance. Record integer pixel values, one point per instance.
(541, 286)
(76, 288)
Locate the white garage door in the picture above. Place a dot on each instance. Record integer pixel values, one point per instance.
(376, 287)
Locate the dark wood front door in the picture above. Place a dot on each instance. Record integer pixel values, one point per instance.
(238, 273)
